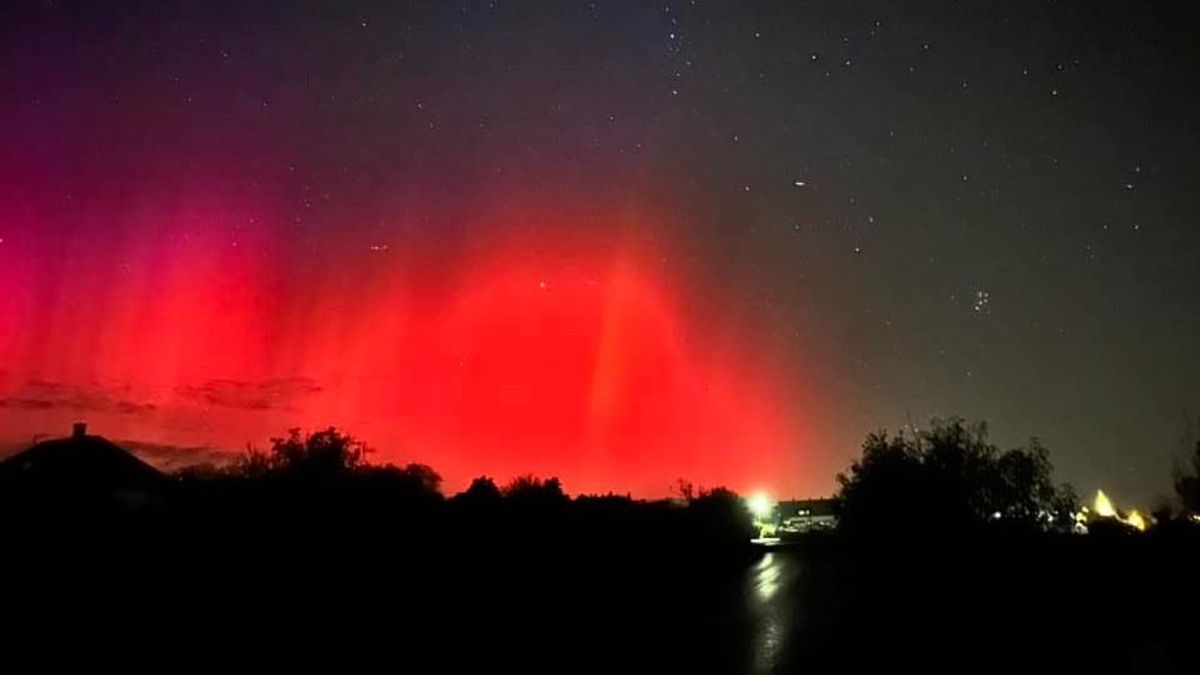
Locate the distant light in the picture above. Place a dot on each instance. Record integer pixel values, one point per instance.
(760, 505)
(1136, 521)
(800, 183)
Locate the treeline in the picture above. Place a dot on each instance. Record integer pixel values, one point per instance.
(309, 556)
(949, 480)
(321, 484)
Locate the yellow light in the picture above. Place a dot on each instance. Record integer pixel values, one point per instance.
(1102, 506)
(760, 505)
(1136, 521)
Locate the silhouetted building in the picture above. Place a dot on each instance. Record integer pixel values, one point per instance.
(79, 469)
(806, 515)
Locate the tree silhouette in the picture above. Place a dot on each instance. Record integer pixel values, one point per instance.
(950, 478)
(482, 492)
(685, 490)
(328, 451)
(324, 453)
(1187, 481)
(532, 492)
(411, 480)
(722, 514)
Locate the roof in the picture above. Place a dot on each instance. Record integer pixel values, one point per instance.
(81, 462)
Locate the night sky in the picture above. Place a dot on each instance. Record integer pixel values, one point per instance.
(618, 242)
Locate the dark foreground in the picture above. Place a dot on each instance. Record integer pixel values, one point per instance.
(190, 592)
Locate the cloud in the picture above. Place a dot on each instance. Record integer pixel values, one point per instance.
(173, 457)
(275, 394)
(43, 395)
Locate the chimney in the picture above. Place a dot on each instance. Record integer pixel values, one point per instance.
(79, 430)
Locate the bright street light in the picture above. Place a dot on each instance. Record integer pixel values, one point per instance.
(760, 505)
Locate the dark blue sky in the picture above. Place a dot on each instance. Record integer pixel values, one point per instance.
(915, 209)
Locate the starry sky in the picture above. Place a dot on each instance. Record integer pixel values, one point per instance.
(620, 242)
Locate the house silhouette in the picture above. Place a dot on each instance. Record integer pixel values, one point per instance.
(80, 469)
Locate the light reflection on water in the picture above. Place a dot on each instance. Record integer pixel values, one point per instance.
(766, 583)
(771, 602)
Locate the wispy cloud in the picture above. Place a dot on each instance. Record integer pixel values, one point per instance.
(43, 395)
(169, 457)
(275, 394)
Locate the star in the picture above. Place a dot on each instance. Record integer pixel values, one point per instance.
(982, 302)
